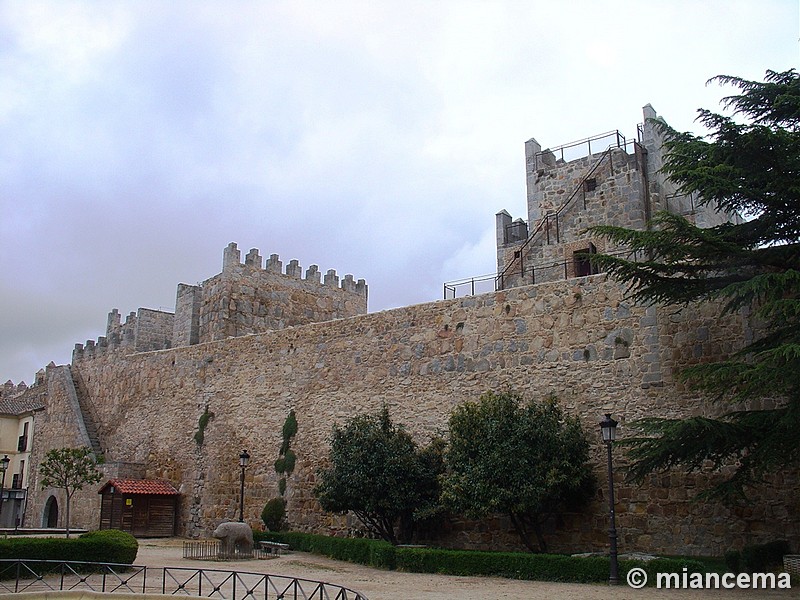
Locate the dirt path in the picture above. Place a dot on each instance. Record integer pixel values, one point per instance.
(377, 584)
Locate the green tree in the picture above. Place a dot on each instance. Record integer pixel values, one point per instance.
(274, 513)
(526, 460)
(748, 163)
(378, 472)
(68, 469)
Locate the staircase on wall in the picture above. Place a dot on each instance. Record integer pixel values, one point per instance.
(542, 231)
(547, 230)
(86, 412)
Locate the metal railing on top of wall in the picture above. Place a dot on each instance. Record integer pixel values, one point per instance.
(533, 273)
(575, 150)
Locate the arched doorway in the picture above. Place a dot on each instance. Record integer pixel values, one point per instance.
(50, 518)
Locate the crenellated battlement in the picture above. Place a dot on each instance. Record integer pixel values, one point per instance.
(232, 258)
(247, 297)
(143, 330)
(10, 389)
(259, 295)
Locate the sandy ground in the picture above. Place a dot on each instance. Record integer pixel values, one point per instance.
(378, 584)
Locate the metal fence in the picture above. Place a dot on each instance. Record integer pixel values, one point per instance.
(527, 274)
(22, 575)
(214, 550)
(581, 148)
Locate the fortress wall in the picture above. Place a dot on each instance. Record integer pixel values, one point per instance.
(186, 330)
(579, 340)
(59, 426)
(250, 298)
(618, 199)
(154, 329)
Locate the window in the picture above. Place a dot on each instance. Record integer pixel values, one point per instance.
(22, 442)
(583, 264)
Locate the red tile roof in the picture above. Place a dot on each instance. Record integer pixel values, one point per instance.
(149, 487)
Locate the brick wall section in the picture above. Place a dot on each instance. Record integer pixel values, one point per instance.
(60, 426)
(154, 329)
(187, 315)
(618, 199)
(245, 299)
(580, 340)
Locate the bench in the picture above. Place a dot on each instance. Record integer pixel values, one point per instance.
(275, 548)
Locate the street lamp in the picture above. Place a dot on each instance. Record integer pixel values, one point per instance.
(609, 428)
(3, 468)
(244, 459)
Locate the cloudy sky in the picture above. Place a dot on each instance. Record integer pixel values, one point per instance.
(377, 138)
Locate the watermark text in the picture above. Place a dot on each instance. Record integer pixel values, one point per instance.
(637, 578)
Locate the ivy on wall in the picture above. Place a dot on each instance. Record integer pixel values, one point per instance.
(275, 509)
(202, 423)
(284, 466)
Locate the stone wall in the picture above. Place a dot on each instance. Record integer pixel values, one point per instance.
(622, 185)
(248, 298)
(154, 329)
(59, 426)
(243, 299)
(548, 255)
(580, 340)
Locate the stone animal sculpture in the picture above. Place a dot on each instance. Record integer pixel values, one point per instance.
(234, 538)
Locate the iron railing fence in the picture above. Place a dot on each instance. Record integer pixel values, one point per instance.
(582, 148)
(470, 287)
(550, 222)
(28, 575)
(23, 575)
(528, 275)
(215, 550)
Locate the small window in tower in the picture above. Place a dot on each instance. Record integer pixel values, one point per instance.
(583, 264)
(590, 185)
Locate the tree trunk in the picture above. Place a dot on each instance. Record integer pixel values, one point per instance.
(406, 533)
(537, 530)
(522, 532)
(521, 526)
(378, 525)
(69, 497)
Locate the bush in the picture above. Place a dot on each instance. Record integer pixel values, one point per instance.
(375, 553)
(108, 545)
(515, 565)
(289, 460)
(273, 514)
(757, 558)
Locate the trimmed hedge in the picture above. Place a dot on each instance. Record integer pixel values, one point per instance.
(536, 567)
(515, 565)
(108, 545)
(375, 553)
(758, 558)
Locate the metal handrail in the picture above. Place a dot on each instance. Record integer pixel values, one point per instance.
(621, 142)
(544, 222)
(30, 575)
(453, 286)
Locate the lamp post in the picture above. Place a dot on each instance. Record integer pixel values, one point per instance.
(244, 459)
(608, 427)
(3, 468)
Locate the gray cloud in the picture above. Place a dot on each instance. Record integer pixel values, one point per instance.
(379, 139)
